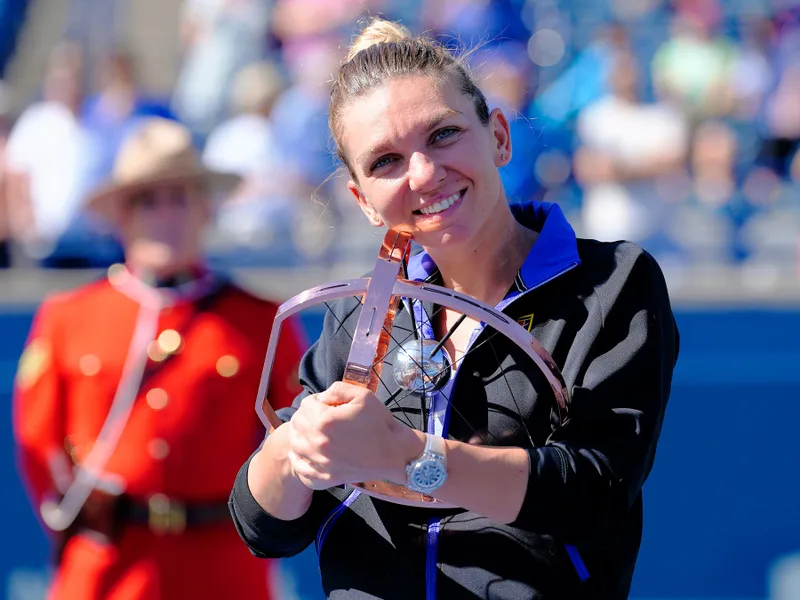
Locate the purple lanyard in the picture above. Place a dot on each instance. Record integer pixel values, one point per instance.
(438, 424)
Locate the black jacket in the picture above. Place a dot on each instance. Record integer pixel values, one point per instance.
(608, 324)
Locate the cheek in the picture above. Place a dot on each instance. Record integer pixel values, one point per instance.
(484, 171)
(386, 197)
(474, 160)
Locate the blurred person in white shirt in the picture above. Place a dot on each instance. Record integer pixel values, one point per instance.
(45, 158)
(262, 209)
(626, 146)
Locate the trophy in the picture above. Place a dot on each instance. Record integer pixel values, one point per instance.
(421, 366)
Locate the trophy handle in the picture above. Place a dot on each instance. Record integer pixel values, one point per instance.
(371, 341)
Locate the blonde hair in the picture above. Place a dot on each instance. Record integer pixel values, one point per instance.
(378, 31)
(384, 50)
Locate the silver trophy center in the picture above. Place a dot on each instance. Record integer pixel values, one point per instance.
(420, 371)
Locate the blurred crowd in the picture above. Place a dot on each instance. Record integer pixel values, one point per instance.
(671, 123)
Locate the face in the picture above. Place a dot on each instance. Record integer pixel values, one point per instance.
(162, 227)
(423, 162)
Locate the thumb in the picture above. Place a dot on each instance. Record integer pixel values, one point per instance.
(338, 393)
(332, 397)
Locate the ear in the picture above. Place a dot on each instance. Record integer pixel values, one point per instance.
(366, 207)
(501, 136)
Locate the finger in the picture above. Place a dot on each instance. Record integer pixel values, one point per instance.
(305, 450)
(308, 474)
(300, 465)
(313, 484)
(309, 415)
(301, 424)
(312, 405)
(304, 478)
(338, 393)
(307, 453)
(308, 442)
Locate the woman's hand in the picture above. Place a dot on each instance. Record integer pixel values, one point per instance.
(346, 435)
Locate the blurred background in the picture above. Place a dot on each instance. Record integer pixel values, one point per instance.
(674, 124)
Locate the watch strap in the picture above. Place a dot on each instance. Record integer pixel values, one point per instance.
(436, 444)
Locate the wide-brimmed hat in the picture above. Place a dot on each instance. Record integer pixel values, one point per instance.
(158, 151)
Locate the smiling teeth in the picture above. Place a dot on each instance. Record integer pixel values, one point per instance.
(440, 206)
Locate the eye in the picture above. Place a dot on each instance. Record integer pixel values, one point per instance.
(444, 133)
(144, 199)
(381, 162)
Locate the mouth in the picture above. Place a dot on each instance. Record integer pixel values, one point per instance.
(443, 206)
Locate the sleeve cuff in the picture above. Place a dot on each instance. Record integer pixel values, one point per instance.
(265, 535)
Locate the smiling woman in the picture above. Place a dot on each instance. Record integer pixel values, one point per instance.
(529, 505)
(420, 144)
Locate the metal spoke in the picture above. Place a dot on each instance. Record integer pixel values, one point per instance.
(514, 398)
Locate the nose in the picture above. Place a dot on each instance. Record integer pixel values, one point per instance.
(424, 174)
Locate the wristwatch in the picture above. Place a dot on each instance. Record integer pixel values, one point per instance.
(428, 471)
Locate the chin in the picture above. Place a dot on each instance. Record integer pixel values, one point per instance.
(452, 238)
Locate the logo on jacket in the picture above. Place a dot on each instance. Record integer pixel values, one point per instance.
(526, 322)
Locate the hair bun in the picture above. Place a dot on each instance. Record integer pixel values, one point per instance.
(378, 31)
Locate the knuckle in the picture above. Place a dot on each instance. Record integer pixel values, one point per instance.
(327, 422)
(323, 444)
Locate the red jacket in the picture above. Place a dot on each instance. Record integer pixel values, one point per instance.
(190, 426)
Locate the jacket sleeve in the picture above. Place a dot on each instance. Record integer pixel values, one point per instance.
(594, 467)
(38, 410)
(265, 535)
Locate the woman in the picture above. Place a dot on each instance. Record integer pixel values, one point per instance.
(548, 512)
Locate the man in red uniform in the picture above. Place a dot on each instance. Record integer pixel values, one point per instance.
(134, 399)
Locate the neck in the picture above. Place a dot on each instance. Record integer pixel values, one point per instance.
(485, 267)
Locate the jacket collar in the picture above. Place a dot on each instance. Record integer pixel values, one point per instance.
(554, 253)
(200, 284)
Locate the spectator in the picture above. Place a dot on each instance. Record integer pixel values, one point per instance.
(219, 37)
(719, 188)
(625, 145)
(260, 212)
(109, 114)
(782, 120)
(694, 67)
(46, 159)
(300, 118)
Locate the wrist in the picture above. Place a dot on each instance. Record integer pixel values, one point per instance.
(279, 450)
(408, 444)
(272, 480)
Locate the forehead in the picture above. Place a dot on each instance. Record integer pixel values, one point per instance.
(400, 107)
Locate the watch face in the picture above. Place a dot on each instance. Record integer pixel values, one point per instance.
(427, 475)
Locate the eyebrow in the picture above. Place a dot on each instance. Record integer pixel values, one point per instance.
(427, 125)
